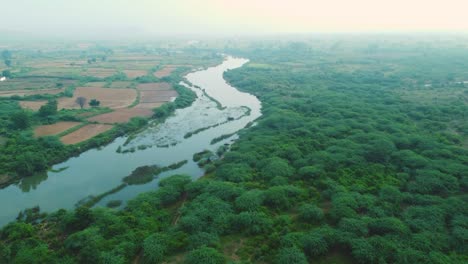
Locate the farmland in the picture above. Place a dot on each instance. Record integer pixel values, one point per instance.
(70, 97)
(84, 133)
(54, 129)
(122, 115)
(166, 71)
(109, 97)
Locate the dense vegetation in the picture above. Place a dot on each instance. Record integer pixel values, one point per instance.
(360, 156)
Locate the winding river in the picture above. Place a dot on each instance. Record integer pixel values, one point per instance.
(220, 109)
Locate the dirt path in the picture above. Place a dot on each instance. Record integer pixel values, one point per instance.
(177, 216)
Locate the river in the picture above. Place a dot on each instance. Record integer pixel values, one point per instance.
(99, 170)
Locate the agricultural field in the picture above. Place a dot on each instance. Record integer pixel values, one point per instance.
(109, 97)
(99, 72)
(122, 115)
(121, 84)
(10, 93)
(54, 129)
(43, 83)
(85, 133)
(166, 71)
(154, 86)
(132, 74)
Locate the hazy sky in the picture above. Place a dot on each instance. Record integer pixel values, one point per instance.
(231, 16)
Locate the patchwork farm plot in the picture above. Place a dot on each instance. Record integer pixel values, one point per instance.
(85, 133)
(99, 72)
(166, 71)
(109, 76)
(132, 74)
(122, 115)
(120, 84)
(153, 95)
(54, 129)
(30, 92)
(108, 97)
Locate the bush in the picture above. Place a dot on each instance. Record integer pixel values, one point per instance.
(291, 255)
(205, 255)
(311, 213)
(154, 248)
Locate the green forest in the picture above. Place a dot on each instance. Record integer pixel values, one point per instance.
(360, 156)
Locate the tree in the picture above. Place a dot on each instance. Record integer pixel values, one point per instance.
(291, 255)
(8, 63)
(252, 222)
(81, 101)
(234, 172)
(205, 255)
(309, 172)
(6, 54)
(49, 109)
(276, 167)
(93, 103)
(21, 120)
(315, 244)
(311, 213)
(6, 73)
(154, 248)
(250, 200)
(28, 163)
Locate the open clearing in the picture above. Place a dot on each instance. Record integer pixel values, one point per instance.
(122, 115)
(109, 97)
(166, 71)
(154, 86)
(54, 129)
(120, 84)
(33, 83)
(85, 133)
(149, 105)
(157, 96)
(30, 92)
(99, 72)
(95, 84)
(135, 73)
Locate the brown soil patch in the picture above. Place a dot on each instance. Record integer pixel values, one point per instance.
(54, 63)
(32, 105)
(121, 115)
(30, 92)
(85, 133)
(154, 86)
(33, 84)
(109, 97)
(157, 96)
(95, 84)
(149, 105)
(120, 84)
(54, 129)
(135, 73)
(99, 72)
(166, 71)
